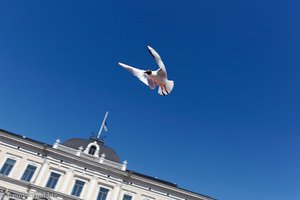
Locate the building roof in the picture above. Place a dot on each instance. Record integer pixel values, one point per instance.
(24, 137)
(166, 183)
(75, 143)
(152, 178)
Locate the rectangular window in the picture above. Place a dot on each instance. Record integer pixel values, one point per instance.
(53, 179)
(77, 188)
(7, 167)
(102, 194)
(127, 197)
(28, 173)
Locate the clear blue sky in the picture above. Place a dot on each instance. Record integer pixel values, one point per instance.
(230, 129)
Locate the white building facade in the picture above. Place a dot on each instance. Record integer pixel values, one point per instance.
(76, 169)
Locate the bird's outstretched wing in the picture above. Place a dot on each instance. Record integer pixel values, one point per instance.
(140, 74)
(162, 69)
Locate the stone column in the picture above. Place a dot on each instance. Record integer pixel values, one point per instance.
(117, 191)
(67, 180)
(42, 172)
(92, 188)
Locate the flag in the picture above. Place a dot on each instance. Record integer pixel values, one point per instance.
(105, 126)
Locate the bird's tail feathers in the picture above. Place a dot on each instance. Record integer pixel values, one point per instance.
(169, 86)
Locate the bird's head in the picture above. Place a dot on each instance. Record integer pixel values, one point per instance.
(149, 72)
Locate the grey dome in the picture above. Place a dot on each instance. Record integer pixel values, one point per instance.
(75, 143)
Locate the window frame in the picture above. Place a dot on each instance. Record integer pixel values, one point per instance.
(13, 167)
(33, 163)
(33, 175)
(58, 181)
(130, 195)
(82, 189)
(107, 194)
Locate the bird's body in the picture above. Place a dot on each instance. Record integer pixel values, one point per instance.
(153, 78)
(165, 86)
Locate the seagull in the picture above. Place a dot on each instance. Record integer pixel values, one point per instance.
(153, 78)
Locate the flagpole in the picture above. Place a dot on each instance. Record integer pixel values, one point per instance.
(102, 125)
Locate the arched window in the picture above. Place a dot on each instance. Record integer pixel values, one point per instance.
(92, 150)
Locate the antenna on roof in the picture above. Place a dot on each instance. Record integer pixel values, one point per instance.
(103, 126)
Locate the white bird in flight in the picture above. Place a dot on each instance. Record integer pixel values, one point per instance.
(153, 78)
